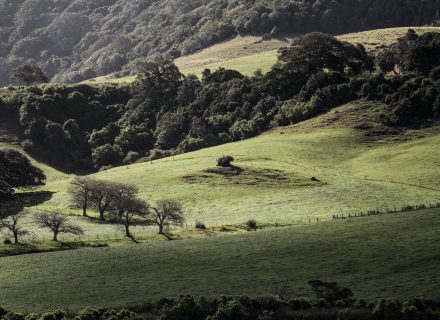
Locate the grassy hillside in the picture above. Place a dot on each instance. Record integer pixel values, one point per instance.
(249, 53)
(356, 172)
(392, 255)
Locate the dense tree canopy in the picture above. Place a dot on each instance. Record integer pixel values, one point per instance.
(16, 171)
(164, 112)
(28, 74)
(412, 53)
(73, 40)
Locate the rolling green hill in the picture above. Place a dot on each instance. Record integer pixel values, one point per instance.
(392, 255)
(292, 181)
(357, 171)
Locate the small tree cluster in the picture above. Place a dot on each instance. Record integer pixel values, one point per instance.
(120, 202)
(57, 223)
(330, 291)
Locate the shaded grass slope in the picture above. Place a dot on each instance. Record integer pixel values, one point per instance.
(393, 255)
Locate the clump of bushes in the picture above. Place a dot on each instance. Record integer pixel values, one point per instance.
(330, 291)
(131, 157)
(251, 224)
(7, 241)
(200, 225)
(225, 161)
(263, 307)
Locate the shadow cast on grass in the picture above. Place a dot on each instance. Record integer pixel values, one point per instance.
(20, 201)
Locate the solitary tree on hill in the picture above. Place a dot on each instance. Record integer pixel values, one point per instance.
(57, 223)
(29, 74)
(13, 226)
(165, 212)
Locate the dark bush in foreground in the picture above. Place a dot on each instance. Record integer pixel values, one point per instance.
(256, 308)
(330, 291)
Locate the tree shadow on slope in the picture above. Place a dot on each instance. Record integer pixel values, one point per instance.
(20, 201)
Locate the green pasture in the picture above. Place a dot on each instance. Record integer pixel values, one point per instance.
(392, 255)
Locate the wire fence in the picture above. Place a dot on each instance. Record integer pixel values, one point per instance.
(406, 208)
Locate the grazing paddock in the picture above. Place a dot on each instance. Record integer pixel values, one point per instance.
(293, 175)
(392, 255)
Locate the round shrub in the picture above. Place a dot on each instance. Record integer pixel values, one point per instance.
(225, 161)
(251, 224)
(56, 315)
(200, 225)
(131, 157)
(106, 155)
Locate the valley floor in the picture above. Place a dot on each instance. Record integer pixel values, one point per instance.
(393, 255)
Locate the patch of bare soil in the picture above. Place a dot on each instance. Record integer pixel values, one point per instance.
(250, 177)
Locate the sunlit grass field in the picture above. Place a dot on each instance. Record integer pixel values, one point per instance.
(275, 187)
(392, 255)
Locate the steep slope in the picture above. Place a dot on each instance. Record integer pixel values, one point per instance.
(81, 39)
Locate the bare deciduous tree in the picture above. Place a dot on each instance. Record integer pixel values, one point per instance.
(57, 223)
(167, 211)
(80, 191)
(125, 206)
(129, 209)
(101, 196)
(12, 224)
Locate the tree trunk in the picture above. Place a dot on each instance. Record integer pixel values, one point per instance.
(16, 238)
(127, 230)
(101, 209)
(85, 210)
(161, 228)
(55, 236)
